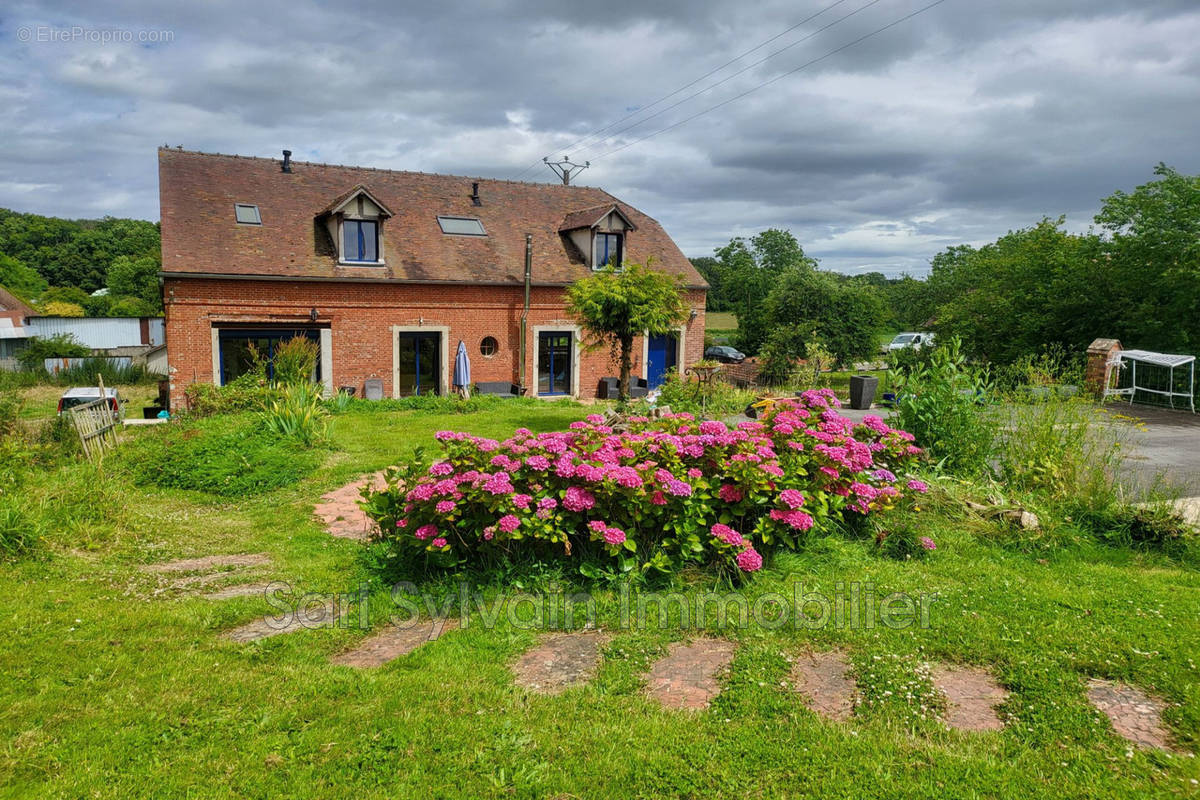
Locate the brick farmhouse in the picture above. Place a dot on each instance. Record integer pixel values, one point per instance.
(388, 271)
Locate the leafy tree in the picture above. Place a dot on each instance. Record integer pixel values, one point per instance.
(1030, 288)
(616, 305)
(19, 279)
(58, 308)
(718, 284)
(749, 270)
(75, 252)
(1153, 255)
(132, 307)
(129, 277)
(815, 306)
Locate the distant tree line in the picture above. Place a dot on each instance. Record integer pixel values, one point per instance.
(1134, 277)
(56, 264)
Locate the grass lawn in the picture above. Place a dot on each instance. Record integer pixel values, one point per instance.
(116, 686)
(720, 321)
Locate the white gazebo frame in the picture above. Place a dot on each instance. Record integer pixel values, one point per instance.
(1168, 360)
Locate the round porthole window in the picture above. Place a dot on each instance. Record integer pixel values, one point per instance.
(488, 346)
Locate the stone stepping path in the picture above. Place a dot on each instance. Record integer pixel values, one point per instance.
(239, 590)
(208, 563)
(304, 618)
(393, 642)
(826, 683)
(559, 662)
(340, 513)
(208, 570)
(971, 697)
(1134, 714)
(687, 677)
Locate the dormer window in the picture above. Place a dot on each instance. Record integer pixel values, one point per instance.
(360, 240)
(607, 250)
(355, 224)
(598, 234)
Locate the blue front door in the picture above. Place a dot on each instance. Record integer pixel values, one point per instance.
(662, 356)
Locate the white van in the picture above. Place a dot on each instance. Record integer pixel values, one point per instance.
(915, 341)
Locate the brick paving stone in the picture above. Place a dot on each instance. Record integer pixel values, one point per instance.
(1134, 714)
(687, 677)
(340, 513)
(559, 661)
(825, 681)
(971, 697)
(393, 642)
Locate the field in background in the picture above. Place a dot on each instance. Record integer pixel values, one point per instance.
(720, 321)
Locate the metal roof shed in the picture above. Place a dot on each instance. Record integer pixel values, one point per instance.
(1147, 358)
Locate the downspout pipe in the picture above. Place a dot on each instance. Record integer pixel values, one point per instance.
(525, 312)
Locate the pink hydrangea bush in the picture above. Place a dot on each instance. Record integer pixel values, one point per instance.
(665, 492)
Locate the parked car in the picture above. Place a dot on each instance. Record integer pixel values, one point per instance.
(726, 355)
(915, 341)
(78, 395)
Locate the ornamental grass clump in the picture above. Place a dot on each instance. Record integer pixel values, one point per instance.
(664, 493)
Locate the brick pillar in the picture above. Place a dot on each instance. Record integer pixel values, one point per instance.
(1099, 353)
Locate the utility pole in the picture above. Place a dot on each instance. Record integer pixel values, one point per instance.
(566, 168)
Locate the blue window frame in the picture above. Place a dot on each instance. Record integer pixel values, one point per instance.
(608, 250)
(360, 240)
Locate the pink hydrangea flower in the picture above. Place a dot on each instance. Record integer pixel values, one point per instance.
(489, 532)
(792, 498)
(614, 536)
(727, 535)
(445, 506)
(439, 542)
(577, 499)
(658, 499)
(730, 493)
(927, 543)
(918, 486)
(426, 532)
(597, 525)
(522, 501)
(749, 560)
(508, 523)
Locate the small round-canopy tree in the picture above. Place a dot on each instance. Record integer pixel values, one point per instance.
(614, 306)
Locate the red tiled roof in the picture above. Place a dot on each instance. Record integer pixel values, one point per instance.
(13, 305)
(197, 193)
(590, 216)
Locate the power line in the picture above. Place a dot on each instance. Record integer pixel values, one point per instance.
(708, 74)
(744, 69)
(779, 77)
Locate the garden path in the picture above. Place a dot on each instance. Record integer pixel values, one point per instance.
(340, 513)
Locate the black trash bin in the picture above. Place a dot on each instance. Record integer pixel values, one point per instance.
(862, 390)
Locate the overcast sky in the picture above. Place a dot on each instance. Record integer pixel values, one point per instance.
(967, 120)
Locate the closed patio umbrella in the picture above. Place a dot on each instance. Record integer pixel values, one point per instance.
(462, 370)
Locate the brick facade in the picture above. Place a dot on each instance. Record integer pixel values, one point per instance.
(361, 318)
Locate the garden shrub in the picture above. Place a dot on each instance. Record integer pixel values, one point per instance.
(230, 456)
(247, 392)
(295, 361)
(941, 404)
(662, 494)
(717, 398)
(297, 413)
(38, 349)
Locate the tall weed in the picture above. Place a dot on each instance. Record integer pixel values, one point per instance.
(941, 402)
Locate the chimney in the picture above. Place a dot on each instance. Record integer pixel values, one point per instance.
(475, 194)
(286, 166)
